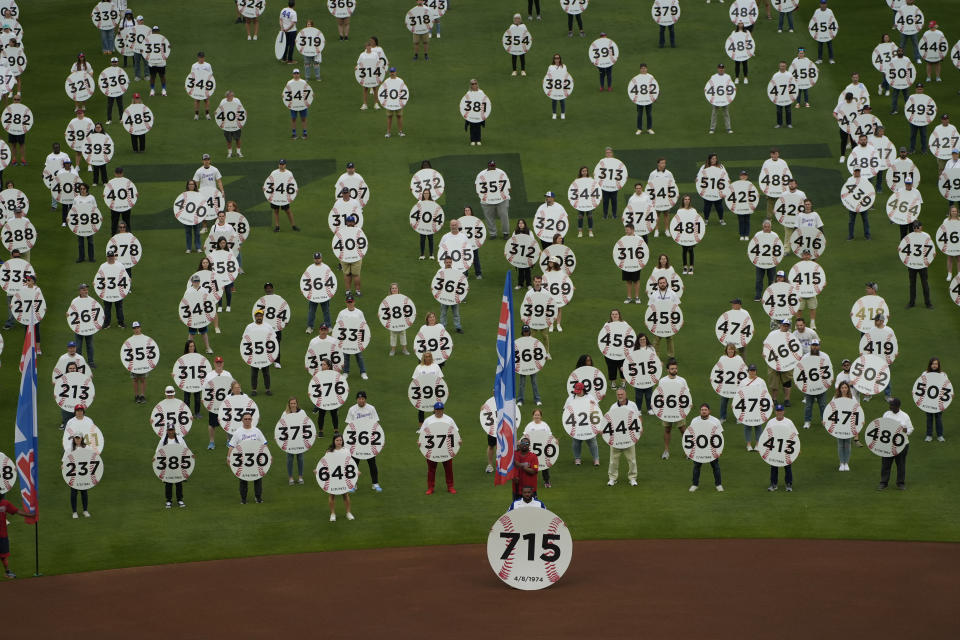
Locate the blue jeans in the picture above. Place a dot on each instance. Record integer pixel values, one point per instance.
(775, 472)
(808, 400)
(312, 312)
(476, 263)
(79, 339)
(724, 403)
(903, 45)
(346, 363)
(290, 457)
(592, 443)
(606, 73)
(673, 40)
(894, 98)
(106, 39)
(878, 183)
(455, 309)
(138, 61)
(843, 449)
(743, 224)
(523, 384)
(714, 465)
(227, 295)
(562, 103)
(310, 62)
(829, 44)
(758, 283)
(803, 96)
(789, 15)
(641, 395)
(193, 231)
(866, 224)
(754, 431)
(931, 418)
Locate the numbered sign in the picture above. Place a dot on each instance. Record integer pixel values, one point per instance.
(642, 368)
(369, 73)
(557, 83)
(337, 472)
(280, 188)
(426, 217)
(870, 374)
(208, 282)
(475, 106)
(215, 390)
(357, 187)
(352, 334)
(364, 437)
(900, 73)
(643, 89)
(458, 248)
(418, 20)
(12, 274)
(86, 429)
(295, 432)
(79, 85)
(98, 149)
(8, 473)
(190, 208)
(517, 40)
(230, 115)
(744, 11)
(843, 418)
(17, 119)
(82, 468)
(170, 412)
(899, 171)
(85, 316)
(276, 311)
(808, 238)
(584, 194)
(544, 445)
(765, 250)
(674, 283)
(105, 16)
(18, 234)
(173, 462)
(120, 194)
(727, 375)
(539, 309)
(393, 94)
(426, 390)
(350, 244)
(687, 227)
(920, 110)
(857, 194)
(318, 284)
(488, 418)
(622, 427)
(435, 339)
(397, 312)
(752, 405)
(560, 286)
(663, 318)
(948, 183)
(773, 181)
(61, 366)
(450, 286)
(630, 253)
(259, 346)
(549, 221)
(84, 219)
(865, 309)
(740, 46)
(880, 342)
(809, 278)
(615, 339)
(594, 382)
(139, 354)
(568, 260)
(779, 444)
(917, 250)
(671, 399)
(932, 392)
(341, 8)
(28, 306)
(603, 53)
(782, 93)
(11, 199)
(200, 84)
(886, 437)
(328, 390)
(703, 441)
(322, 349)
(297, 95)
(493, 186)
(189, 372)
(641, 213)
(250, 460)
(582, 417)
(530, 355)
(814, 374)
(882, 54)
(804, 72)
(720, 91)
(782, 351)
(251, 8)
(341, 210)
(522, 250)
(734, 327)
(197, 308)
(530, 549)
(439, 442)
(432, 180)
(310, 42)
(903, 207)
(233, 408)
(665, 12)
(823, 30)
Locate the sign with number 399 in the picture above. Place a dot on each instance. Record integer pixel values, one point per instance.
(529, 548)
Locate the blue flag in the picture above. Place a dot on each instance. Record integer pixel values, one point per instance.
(504, 389)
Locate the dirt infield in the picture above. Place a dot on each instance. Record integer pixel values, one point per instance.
(613, 589)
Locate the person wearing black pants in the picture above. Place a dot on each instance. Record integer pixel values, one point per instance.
(903, 419)
(325, 365)
(171, 436)
(137, 141)
(530, 5)
(524, 278)
(288, 23)
(115, 216)
(247, 432)
(363, 411)
(918, 228)
(673, 41)
(523, 63)
(77, 441)
(570, 18)
(118, 100)
(265, 371)
(99, 170)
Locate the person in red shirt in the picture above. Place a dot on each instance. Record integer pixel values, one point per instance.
(5, 508)
(528, 466)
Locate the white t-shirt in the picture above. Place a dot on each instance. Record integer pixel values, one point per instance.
(901, 417)
(520, 504)
(206, 177)
(356, 314)
(533, 427)
(811, 220)
(54, 161)
(356, 412)
(805, 337)
(445, 421)
(424, 369)
(241, 434)
(709, 423)
(201, 66)
(288, 19)
(629, 404)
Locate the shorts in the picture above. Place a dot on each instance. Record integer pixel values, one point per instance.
(491, 441)
(421, 38)
(780, 379)
(352, 268)
(159, 70)
(138, 376)
(680, 424)
(630, 276)
(302, 113)
(395, 112)
(4, 547)
(232, 136)
(285, 207)
(194, 332)
(16, 139)
(214, 419)
(807, 303)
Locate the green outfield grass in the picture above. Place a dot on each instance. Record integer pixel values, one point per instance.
(129, 524)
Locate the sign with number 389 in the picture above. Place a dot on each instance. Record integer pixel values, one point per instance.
(529, 548)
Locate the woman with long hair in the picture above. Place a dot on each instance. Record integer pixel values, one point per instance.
(337, 445)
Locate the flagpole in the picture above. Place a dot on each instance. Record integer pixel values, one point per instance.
(36, 548)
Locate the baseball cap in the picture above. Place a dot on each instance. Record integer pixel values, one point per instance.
(902, 150)
(779, 407)
(351, 218)
(218, 359)
(578, 386)
(258, 312)
(324, 325)
(945, 116)
(879, 316)
(350, 165)
(845, 361)
(743, 172)
(282, 161)
(79, 407)
(361, 394)
(933, 23)
(491, 163)
(736, 301)
(721, 66)
(349, 299)
(393, 69)
(908, 180)
(205, 156)
(136, 95)
(169, 390)
(785, 322)
(955, 151)
(30, 276)
(136, 324)
(438, 405)
(83, 285)
(752, 367)
(267, 284)
(200, 54)
(139, 17)
(806, 252)
(550, 194)
(71, 344)
(554, 260)
(68, 160)
(814, 342)
(156, 28)
(114, 59)
(603, 33)
(781, 273)
(111, 254)
(296, 70)
(317, 254)
(525, 327)
(194, 278)
(872, 285)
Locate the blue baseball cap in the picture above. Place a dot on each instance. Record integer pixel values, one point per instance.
(437, 405)
(779, 407)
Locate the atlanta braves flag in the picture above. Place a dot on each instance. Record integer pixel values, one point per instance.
(25, 445)
(504, 390)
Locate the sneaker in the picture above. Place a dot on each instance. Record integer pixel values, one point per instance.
(86, 514)
(881, 486)
(554, 117)
(772, 487)
(627, 301)
(363, 107)
(377, 488)
(749, 448)
(789, 488)
(75, 516)
(638, 132)
(169, 504)
(249, 37)
(949, 277)
(806, 425)
(746, 81)
(376, 106)
(163, 92)
(519, 403)
(514, 74)
(579, 232)
(350, 516)
(228, 308)
(428, 492)
(693, 488)
(590, 233)
(229, 153)
(656, 233)
(196, 116)
(524, 73)
(11, 574)
(736, 81)
(211, 446)
(181, 504)
(941, 439)
(610, 483)
(720, 488)
(559, 328)
(451, 490)
(259, 500)
(333, 517)
(275, 364)
(786, 403)
(665, 455)
(402, 134)
(723, 222)
(308, 330)
(563, 116)
(633, 483)
(879, 89)
(928, 439)
(208, 115)
(489, 469)
(152, 93)
(386, 135)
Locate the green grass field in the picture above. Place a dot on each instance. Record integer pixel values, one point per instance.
(129, 525)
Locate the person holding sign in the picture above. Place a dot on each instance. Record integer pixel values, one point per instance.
(579, 391)
(76, 442)
(394, 94)
(199, 68)
(195, 285)
(675, 382)
(296, 416)
(537, 425)
(443, 423)
(400, 334)
(901, 418)
(922, 272)
(355, 318)
(782, 79)
(337, 445)
(454, 309)
(322, 273)
(83, 302)
(753, 380)
(525, 332)
(935, 417)
(713, 183)
(288, 25)
(526, 499)
(517, 38)
(7, 508)
(362, 410)
(823, 24)
(844, 390)
(630, 453)
(945, 234)
(281, 176)
(213, 382)
(255, 330)
(824, 368)
(248, 432)
(785, 8)
(425, 239)
(665, 296)
(528, 466)
(781, 380)
(782, 424)
(476, 98)
(326, 365)
(230, 116)
(710, 427)
(298, 96)
(171, 436)
(722, 90)
(157, 60)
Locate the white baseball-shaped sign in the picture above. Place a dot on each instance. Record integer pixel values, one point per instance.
(917, 250)
(488, 418)
(209, 283)
(199, 84)
(584, 194)
(233, 408)
(932, 392)
(734, 326)
(814, 374)
(439, 442)
(475, 106)
(171, 412)
(643, 89)
(297, 95)
(328, 389)
(823, 30)
(322, 349)
(517, 40)
(364, 438)
(920, 110)
(530, 549)
(744, 11)
(948, 183)
(779, 444)
(352, 334)
(622, 427)
(259, 346)
(544, 445)
(341, 8)
(865, 309)
(18, 234)
(687, 227)
(190, 208)
(276, 311)
(530, 355)
(782, 351)
(642, 368)
(560, 286)
(593, 380)
(197, 308)
(809, 278)
(310, 42)
(563, 253)
(84, 218)
(139, 354)
(603, 52)
(280, 188)
(870, 374)
(810, 239)
(251, 8)
(397, 312)
(720, 90)
(885, 437)
(665, 12)
(522, 250)
(582, 417)
(189, 372)
(880, 342)
(28, 306)
(641, 212)
(427, 389)
(17, 119)
(630, 253)
(663, 318)
(295, 432)
(436, 339)
(250, 460)
(843, 418)
(450, 286)
(783, 93)
(98, 149)
(120, 194)
(11, 199)
(615, 339)
(82, 468)
(538, 309)
(85, 316)
(765, 250)
(804, 72)
(752, 405)
(549, 221)
(318, 284)
(426, 217)
(671, 399)
(882, 54)
(904, 206)
(727, 375)
(215, 390)
(173, 462)
(858, 194)
(74, 388)
(557, 82)
(740, 46)
(230, 115)
(780, 300)
(393, 94)
(428, 180)
(86, 429)
(12, 274)
(350, 244)
(8, 473)
(702, 441)
(79, 85)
